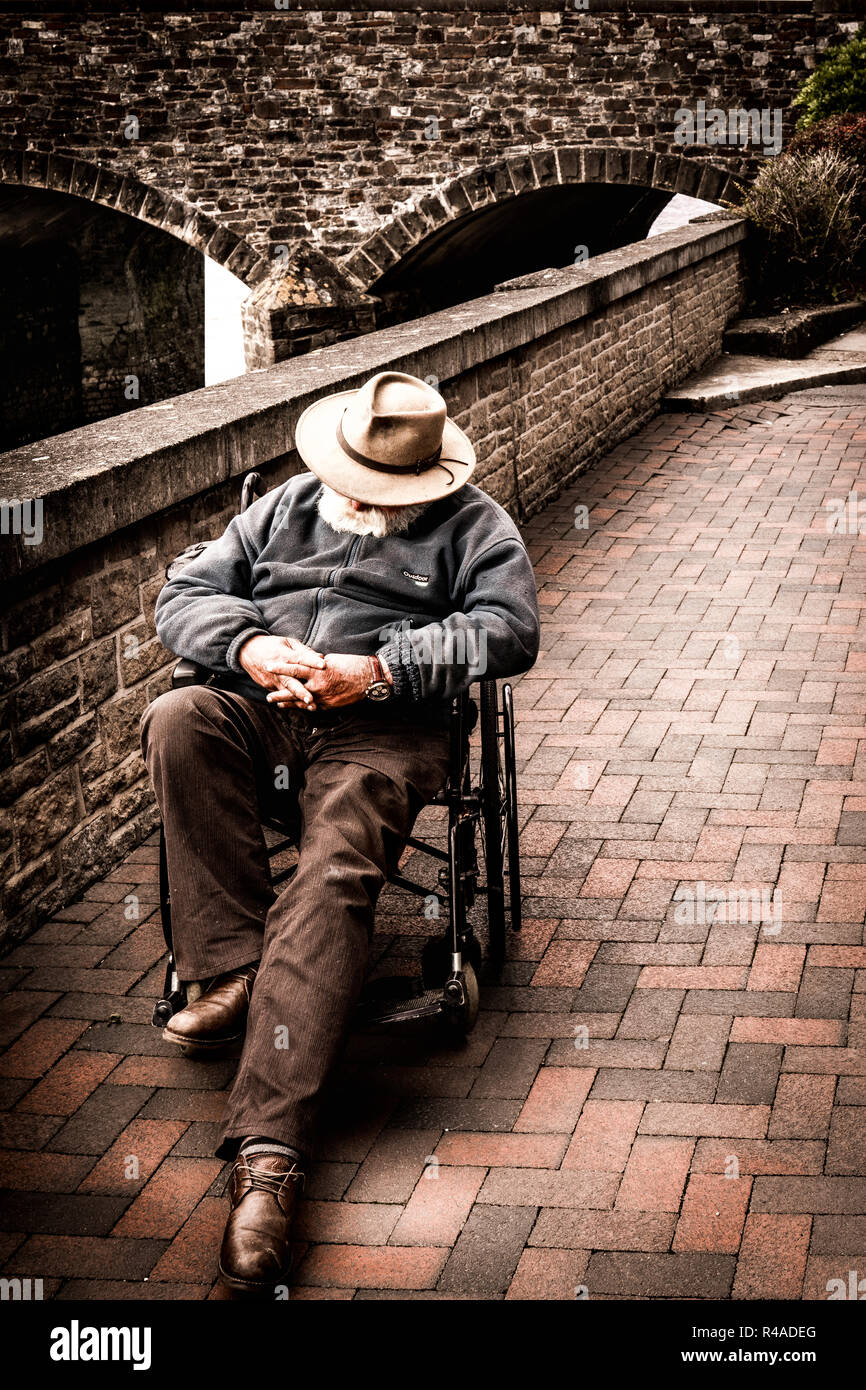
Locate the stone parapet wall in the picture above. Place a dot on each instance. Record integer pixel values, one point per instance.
(545, 375)
(541, 414)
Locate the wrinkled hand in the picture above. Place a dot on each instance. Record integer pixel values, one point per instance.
(343, 681)
(282, 665)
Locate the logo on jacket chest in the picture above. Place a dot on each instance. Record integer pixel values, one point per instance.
(419, 579)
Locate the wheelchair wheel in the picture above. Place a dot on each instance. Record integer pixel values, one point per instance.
(499, 815)
(173, 992)
(461, 1010)
(513, 830)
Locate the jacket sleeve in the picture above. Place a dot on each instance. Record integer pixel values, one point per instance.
(206, 613)
(496, 634)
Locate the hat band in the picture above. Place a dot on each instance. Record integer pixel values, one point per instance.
(421, 466)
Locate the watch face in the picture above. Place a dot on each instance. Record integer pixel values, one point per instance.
(379, 690)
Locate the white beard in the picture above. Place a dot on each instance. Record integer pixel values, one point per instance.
(338, 512)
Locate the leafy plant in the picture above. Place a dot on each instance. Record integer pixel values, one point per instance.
(845, 134)
(838, 84)
(808, 234)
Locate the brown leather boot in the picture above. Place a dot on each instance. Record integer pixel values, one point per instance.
(217, 1018)
(256, 1251)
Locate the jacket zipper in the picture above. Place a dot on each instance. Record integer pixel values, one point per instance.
(356, 541)
(349, 558)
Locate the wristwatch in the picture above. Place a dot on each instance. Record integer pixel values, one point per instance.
(378, 689)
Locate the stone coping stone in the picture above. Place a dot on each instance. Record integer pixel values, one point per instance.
(794, 333)
(732, 381)
(620, 7)
(102, 477)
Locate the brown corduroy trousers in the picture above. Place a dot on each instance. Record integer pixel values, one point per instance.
(215, 758)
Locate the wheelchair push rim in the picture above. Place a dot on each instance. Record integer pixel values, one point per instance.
(499, 815)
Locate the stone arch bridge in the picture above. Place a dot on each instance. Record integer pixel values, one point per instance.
(353, 167)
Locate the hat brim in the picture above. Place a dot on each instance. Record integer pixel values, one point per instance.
(316, 442)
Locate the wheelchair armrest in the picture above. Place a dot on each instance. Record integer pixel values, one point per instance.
(189, 673)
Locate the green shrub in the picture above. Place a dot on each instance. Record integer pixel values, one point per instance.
(808, 237)
(838, 84)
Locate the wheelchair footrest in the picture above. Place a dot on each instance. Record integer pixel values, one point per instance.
(397, 1000)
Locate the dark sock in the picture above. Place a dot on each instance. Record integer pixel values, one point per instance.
(260, 1144)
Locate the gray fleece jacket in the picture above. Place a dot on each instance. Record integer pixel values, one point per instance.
(449, 602)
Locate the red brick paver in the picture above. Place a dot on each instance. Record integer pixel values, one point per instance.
(664, 1094)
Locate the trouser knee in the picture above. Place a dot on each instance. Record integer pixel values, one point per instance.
(171, 719)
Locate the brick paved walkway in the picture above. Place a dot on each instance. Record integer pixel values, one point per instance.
(694, 724)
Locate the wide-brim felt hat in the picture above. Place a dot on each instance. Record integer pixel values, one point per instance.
(389, 443)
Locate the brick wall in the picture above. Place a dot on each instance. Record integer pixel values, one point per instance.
(545, 376)
(541, 414)
(141, 316)
(309, 121)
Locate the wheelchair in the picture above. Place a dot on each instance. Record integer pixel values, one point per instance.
(480, 798)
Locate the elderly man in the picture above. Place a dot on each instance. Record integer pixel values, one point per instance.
(341, 612)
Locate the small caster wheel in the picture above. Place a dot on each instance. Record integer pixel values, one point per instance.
(462, 1000)
(162, 1012)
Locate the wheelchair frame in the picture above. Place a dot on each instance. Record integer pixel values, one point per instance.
(451, 963)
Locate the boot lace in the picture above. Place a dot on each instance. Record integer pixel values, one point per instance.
(261, 1180)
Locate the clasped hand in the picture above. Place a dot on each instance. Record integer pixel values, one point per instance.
(295, 675)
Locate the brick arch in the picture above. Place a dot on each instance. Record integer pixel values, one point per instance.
(519, 175)
(122, 192)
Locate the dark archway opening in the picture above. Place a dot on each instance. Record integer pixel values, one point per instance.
(473, 254)
(99, 314)
(40, 348)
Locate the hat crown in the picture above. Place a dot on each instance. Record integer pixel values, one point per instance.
(395, 419)
(388, 443)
